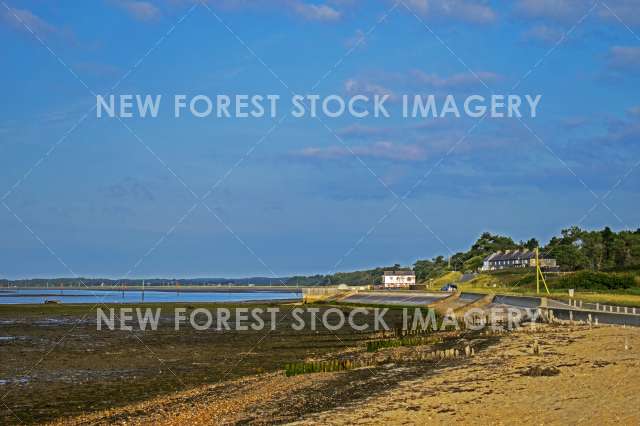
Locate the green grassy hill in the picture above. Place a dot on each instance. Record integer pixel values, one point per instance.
(525, 280)
(615, 287)
(446, 278)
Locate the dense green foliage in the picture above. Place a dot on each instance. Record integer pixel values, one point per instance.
(427, 269)
(577, 249)
(587, 280)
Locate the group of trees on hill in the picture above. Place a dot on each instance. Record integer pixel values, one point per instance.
(605, 250)
(574, 249)
(472, 259)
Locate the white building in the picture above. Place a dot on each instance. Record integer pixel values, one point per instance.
(397, 279)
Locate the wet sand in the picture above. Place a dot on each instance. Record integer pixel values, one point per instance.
(55, 363)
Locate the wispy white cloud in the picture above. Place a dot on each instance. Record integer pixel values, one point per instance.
(544, 33)
(615, 140)
(624, 57)
(634, 111)
(473, 11)
(357, 131)
(99, 69)
(569, 11)
(319, 12)
(26, 21)
(454, 81)
(140, 10)
(382, 150)
(624, 130)
(575, 122)
(315, 12)
(357, 86)
(626, 10)
(394, 84)
(558, 10)
(357, 40)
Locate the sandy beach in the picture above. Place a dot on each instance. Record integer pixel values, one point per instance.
(592, 380)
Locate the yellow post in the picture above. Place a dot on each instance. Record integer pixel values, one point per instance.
(537, 276)
(540, 275)
(544, 282)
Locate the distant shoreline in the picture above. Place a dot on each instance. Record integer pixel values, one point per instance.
(185, 289)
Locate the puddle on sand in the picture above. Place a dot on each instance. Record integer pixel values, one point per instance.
(60, 321)
(19, 380)
(4, 339)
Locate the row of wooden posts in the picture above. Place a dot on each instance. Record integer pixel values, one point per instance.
(293, 369)
(407, 340)
(551, 318)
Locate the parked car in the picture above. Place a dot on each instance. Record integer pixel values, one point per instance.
(451, 287)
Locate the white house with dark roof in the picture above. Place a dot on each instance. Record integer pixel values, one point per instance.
(398, 279)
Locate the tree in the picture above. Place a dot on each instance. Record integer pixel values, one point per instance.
(489, 243)
(532, 244)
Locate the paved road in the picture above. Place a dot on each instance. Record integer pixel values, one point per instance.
(560, 309)
(603, 317)
(518, 301)
(471, 297)
(388, 298)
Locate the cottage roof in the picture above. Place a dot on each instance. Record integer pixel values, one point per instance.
(404, 272)
(492, 256)
(502, 256)
(524, 254)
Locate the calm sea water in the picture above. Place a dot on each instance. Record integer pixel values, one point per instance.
(38, 296)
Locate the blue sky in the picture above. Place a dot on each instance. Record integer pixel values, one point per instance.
(96, 197)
